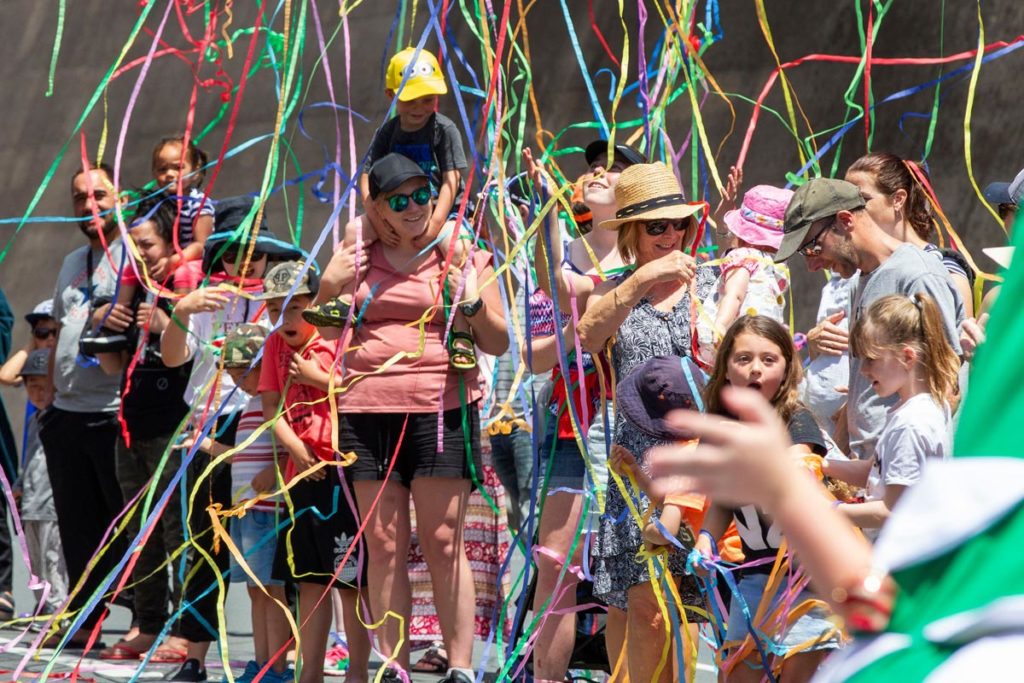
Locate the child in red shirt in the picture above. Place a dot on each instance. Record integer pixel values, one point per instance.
(318, 550)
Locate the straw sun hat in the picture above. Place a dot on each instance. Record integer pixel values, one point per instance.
(648, 192)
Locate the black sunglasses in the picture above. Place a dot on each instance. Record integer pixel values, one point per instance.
(814, 247)
(400, 202)
(44, 332)
(655, 228)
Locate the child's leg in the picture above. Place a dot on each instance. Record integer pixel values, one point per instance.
(355, 635)
(314, 626)
(276, 630)
(801, 668)
(258, 609)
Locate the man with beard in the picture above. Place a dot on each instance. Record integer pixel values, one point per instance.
(826, 222)
(80, 430)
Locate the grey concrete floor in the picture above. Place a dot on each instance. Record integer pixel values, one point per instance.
(239, 644)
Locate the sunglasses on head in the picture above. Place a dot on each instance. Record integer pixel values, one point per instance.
(655, 228)
(400, 202)
(44, 332)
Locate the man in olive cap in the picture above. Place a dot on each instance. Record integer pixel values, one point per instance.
(827, 223)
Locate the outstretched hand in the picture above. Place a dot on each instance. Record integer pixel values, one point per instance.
(737, 462)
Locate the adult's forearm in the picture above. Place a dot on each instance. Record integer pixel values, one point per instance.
(543, 352)
(489, 330)
(832, 551)
(174, 342)
(605, 315)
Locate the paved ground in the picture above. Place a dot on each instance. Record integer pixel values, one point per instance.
(239, 647)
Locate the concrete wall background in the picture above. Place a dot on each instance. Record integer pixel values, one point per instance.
(34, 126)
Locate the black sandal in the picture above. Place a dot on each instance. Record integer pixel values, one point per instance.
(462, 351)
(333, 313)
(432, 661)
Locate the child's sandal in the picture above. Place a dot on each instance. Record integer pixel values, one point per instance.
(462, 351)
(332, 313)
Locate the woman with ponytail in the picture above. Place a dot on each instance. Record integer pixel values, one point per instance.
(904, 351)
(898, 202)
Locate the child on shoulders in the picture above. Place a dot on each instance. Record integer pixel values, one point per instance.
(751, 282)
(432, 140)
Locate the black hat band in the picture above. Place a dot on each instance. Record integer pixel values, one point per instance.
(656, 203)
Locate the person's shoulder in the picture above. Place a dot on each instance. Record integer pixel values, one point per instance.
(386, 129)
(445, 123)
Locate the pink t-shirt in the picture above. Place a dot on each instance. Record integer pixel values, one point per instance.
(187, 276)
(390, 326)
(306, 408)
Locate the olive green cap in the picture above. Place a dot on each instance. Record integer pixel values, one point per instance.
(818, 198)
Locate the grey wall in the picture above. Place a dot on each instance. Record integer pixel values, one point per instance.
(34, 126)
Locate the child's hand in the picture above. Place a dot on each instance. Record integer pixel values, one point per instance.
(704, 547)
(265, 480)
(119, 320)
(159, 271)
(206, 445)
(383, 230)
(154, 316)
(302, 370)
(204, 300)
(534, 168)
(653, 538)
(624, 462)
(305, 460)
(621, 461)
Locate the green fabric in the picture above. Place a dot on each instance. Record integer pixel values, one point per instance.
(994, 409)
(967, 578)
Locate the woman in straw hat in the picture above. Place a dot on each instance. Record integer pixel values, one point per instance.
(647, 311)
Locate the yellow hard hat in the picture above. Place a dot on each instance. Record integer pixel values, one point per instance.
(424, 75)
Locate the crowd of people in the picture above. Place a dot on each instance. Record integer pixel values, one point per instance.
(207, 405)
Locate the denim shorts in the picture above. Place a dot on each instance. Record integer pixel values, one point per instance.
(561, 462)
(255, 534)
(814, 627)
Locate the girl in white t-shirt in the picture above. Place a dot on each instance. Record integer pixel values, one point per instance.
(904, 349)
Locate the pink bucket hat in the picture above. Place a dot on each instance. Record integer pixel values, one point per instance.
(759, 219)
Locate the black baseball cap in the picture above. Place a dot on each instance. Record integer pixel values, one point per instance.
(390, 171)
(624, 153)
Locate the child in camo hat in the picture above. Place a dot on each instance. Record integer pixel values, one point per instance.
(254, 471)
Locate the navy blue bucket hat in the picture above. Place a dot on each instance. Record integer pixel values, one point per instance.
(657, 387)
(230, 213)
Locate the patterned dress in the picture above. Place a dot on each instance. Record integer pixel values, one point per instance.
(645, 333)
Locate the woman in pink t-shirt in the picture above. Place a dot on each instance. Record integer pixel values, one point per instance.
(410, 417)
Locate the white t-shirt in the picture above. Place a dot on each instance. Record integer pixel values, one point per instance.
(915, 432)
(206, 332)
(824, 373)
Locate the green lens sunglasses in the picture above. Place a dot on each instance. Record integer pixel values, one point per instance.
(400, 202)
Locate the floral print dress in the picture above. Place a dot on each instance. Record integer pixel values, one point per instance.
(645, 333)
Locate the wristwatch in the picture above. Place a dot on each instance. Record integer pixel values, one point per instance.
(472, 308)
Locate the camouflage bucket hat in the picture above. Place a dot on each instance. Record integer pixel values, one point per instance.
(242, 345)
